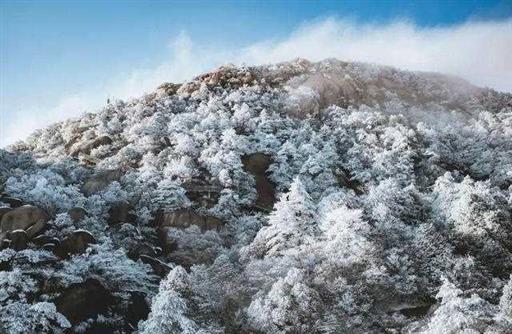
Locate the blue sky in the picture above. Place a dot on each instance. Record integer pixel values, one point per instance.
(60, 58)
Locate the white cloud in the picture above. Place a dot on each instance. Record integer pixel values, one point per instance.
(476, 51)
(32, 117)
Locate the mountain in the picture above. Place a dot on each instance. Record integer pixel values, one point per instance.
(328, 197)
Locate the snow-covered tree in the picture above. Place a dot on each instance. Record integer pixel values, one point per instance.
(293, 223)
(291, 306)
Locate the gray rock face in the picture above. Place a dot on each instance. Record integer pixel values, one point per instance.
(100, 181)
(119, 213)
(19, 239)
(23, 218)
(12, 201)
(182, 219)
(35, 229)
(142, 248)
(3, 211)
(257, 165)
(138, 308)
(84, 300)
(76, 243)
(159, 267)
(77, 214)
(203, 194)
(42, 240)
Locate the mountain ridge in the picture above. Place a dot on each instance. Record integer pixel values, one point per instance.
(292, 198)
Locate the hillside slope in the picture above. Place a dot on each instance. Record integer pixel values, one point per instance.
(292, 198)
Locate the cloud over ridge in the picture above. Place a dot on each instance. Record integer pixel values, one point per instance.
(477, 51)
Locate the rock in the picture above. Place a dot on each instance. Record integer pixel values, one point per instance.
(182, 219)
(138, 308)
(50, 247)
(100, 181)
(35, 229)
(167, 89)
(185, 217)
(410, 306)
(213, 223)
(22, 218)
(257, 165)
(143, 248)
(118, 213)
(159, 267)
(76, 243)
(12, 201)
(3, 211)
(6, 243)
(84, 300)
(45, 239)
(206, 195)
(224, 77)
(90, 145)
(77, 214)
(18, 239)
(158, 250)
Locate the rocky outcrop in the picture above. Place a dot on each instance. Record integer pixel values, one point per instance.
(76, 243)
(35, 229)
(182, 219)
(84, 300)
(138, 308)
(86, 147)
(12, 201)
(77, 214)
(204, 195)
(100, 181)
(3, 211)
(167, 89)
(185, 217)
(159, 267)
(223, 77)
(26, 217)
(19, 239)
(42, 240)
(257, 165)
(142, 248)
(119, 213)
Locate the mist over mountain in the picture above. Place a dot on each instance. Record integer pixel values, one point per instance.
(300, 197)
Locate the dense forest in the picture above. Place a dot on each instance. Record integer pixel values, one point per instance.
(301, 197)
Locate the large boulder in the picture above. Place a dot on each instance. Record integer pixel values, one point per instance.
(119, 213)
(18, 239)
(77, 214)
(86, 147)
(206, 195)
(3, 211)
(100, 181)
(35, 229)
(23, 218)
(257, 164)
(76, 243)
(136, 249)
(138, 308)
(159, 267)
(182, 219)
(42, 240)
(84, 300)
(12, 201)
